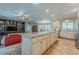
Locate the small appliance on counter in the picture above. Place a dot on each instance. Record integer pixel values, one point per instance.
(10, 39)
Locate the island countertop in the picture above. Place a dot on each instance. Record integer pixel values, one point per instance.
(32, 42)
(36, 34)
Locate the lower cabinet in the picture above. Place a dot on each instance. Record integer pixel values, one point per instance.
(36, 48)
(37, 45)
(42, 43)
(48, 41)
(52, 38)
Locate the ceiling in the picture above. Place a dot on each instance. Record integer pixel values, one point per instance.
(46, 11)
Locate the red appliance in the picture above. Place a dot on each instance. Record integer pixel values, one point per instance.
(11, 39)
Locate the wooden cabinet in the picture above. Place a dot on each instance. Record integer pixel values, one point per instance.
(52, 38)
(42, 44)
(56, 35)
(68, 34)
(39, 44)
(36, 46)
(47, 41)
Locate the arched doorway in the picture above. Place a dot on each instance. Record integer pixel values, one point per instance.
(34, 28)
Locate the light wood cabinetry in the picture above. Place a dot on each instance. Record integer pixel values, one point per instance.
(56, 35)
(37, 45)
(51, 38)
(47, 37)
(42, 43)
(68, 34)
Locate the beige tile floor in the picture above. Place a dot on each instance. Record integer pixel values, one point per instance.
(63, 47)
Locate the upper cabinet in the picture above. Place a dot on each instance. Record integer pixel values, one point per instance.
(21, 26)
(1, 26)
(11, 26)
(9, 22)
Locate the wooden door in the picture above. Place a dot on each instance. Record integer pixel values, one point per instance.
(34, 28)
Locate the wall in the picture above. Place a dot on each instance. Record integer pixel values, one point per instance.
(48, 27)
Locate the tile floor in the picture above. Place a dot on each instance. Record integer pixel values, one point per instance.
(63, 47)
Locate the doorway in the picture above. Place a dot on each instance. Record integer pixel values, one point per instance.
(34, 28)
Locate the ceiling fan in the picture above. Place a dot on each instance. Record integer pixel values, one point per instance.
(23, 16)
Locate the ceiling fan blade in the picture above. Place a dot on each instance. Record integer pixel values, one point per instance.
(20, 12)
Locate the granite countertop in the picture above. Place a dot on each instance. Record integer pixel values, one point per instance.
(1, 46)
(10, 50)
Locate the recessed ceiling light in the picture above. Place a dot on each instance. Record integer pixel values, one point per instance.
(52, 15)
(54, 18)
(47, 10)
(75, 9)
(35, 3)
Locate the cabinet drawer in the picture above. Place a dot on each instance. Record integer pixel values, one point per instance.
(36, 48)
(43, 45)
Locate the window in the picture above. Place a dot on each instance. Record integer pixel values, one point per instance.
(70, 26)
(67, 25)
(45, 28)
(64, 25)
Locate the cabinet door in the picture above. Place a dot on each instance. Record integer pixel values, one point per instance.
(56, 35)
(47, 41)
(36, 46)
(43, 44)
(50, 40)
(52, 37)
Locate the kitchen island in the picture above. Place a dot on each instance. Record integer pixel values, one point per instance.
(37, 43)
(11, 50)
